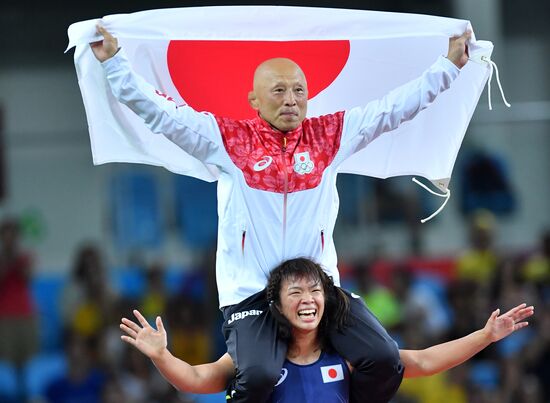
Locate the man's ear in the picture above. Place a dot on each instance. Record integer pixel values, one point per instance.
(252, 100)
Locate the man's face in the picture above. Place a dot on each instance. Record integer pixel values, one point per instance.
(302, 303)
(280, 94)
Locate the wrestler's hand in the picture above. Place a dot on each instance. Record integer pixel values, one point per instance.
(499, 327)
(458, 49)
(145, 338)
(106, 48)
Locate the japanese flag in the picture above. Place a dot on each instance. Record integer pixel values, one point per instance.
(206, 56)
(332, 373)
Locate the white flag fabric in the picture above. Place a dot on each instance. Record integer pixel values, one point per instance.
(205, 57)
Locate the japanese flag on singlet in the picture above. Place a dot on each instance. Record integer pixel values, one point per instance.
(332, 373)
(206, 57)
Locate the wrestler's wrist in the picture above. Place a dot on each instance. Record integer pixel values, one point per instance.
(161, 356)
(484, 337)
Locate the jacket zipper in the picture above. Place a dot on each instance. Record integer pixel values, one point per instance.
(242, 241)
(285, 193)
(322, 240)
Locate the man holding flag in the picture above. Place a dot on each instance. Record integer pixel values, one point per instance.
(277, 200)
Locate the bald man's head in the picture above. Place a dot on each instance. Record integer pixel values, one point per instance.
(277, 66)
(280, 93)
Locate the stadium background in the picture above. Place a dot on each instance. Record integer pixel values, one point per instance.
(104, 239)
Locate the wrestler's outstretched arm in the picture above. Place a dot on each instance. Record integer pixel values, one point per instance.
(205, 378)
(444, 356)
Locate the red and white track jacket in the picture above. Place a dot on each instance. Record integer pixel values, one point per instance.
(277, 196)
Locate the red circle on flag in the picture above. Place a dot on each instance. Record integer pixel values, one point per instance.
(332, 373)
(216, 76)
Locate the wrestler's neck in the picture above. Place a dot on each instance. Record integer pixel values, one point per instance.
(304, 348)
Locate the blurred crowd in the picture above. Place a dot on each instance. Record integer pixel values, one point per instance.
(60, 338)
(427, 301)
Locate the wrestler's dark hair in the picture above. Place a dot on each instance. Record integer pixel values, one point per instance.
(337, 306)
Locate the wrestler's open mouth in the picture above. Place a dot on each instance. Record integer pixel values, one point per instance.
(308, 313)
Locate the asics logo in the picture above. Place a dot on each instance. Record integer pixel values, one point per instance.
(263, 163)
(284, 373)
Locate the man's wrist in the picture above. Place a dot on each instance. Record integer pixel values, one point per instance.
(111, 56)
(451, 64)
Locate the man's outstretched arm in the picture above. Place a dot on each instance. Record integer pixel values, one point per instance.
(195, 133)
(205, 378)
(444, 356)
(365, 124)
(106, 48)
(458, 49)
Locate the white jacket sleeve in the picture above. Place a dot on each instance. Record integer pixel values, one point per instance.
(196, 133)
(364, 124)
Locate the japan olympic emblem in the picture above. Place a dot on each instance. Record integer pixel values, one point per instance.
(302, 163)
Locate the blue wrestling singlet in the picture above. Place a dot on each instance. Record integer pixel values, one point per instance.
(324, 381)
